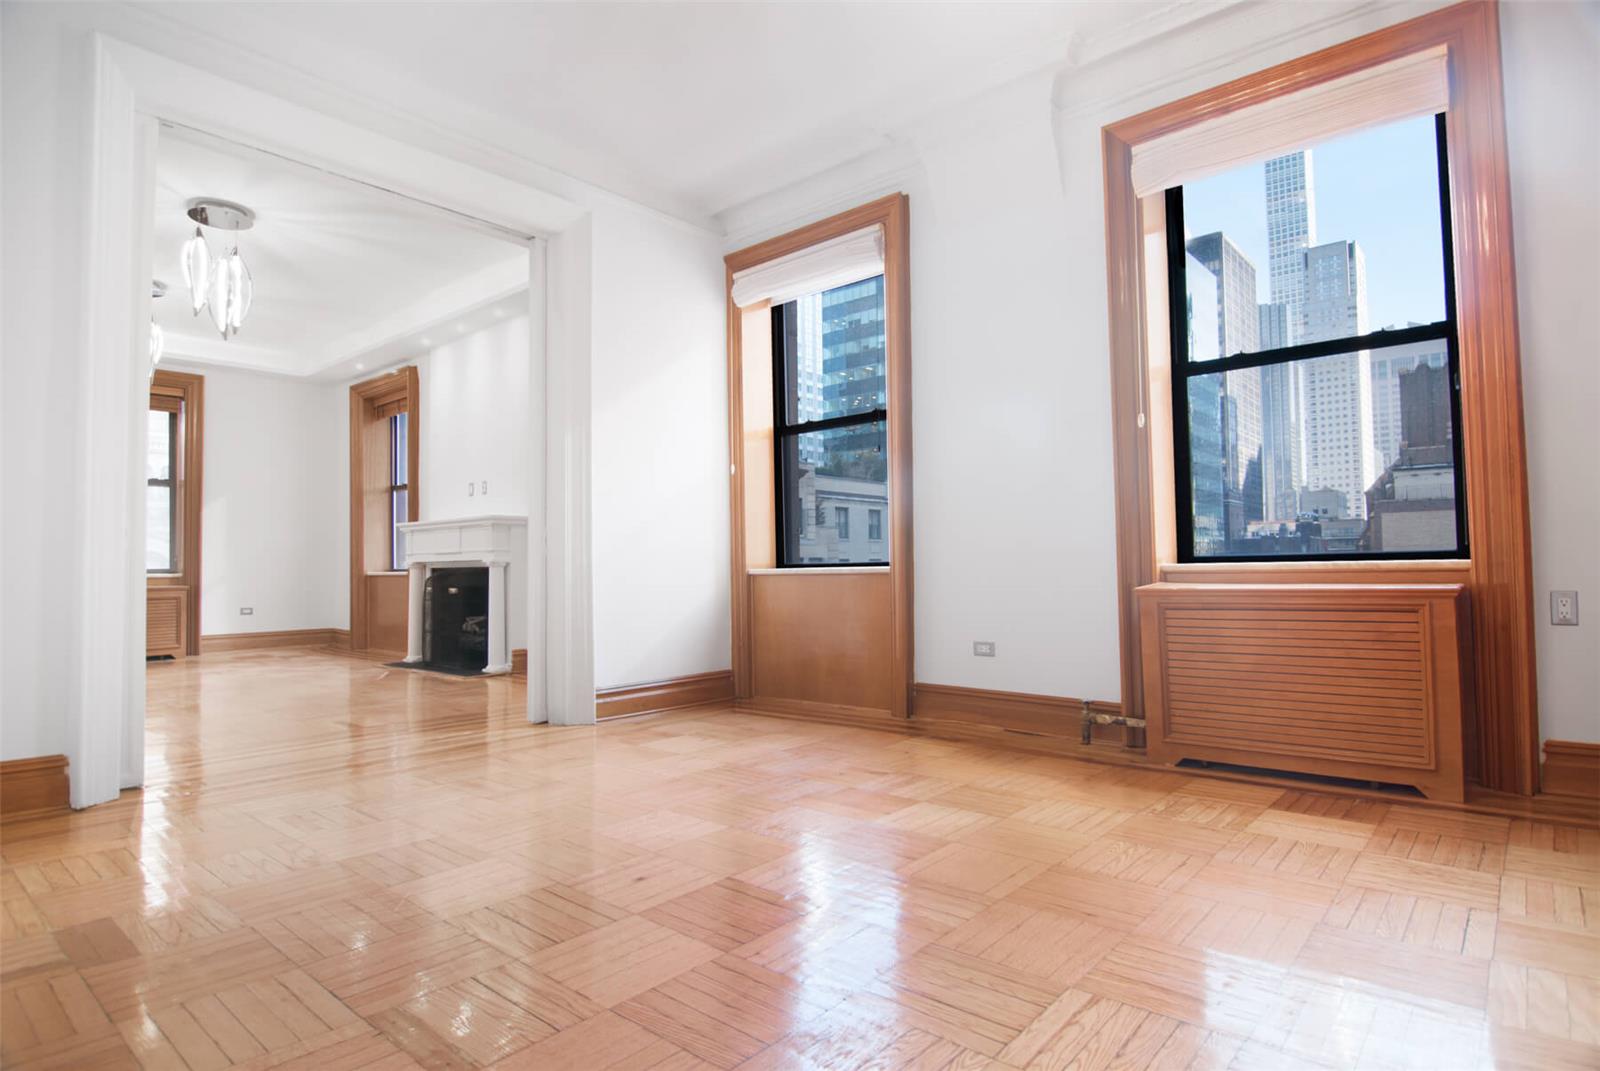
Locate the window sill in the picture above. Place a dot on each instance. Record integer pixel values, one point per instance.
(819, 570)
(1312, 572)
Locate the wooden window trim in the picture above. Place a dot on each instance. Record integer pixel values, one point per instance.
(752, 521)
(1503, 738)
(185, 394)
(372, 401)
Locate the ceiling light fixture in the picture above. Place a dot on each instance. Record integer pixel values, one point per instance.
(158, 338)
(220, 285)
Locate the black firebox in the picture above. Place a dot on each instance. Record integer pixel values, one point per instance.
(455, 620)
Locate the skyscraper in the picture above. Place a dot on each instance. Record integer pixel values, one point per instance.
(1336, 391)
(1388, 366)
(1291, 229)
(1207, 479)
(1238, 327)
(807, 387)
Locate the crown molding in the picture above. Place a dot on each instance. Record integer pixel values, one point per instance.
(471, 135)
(1269, 33)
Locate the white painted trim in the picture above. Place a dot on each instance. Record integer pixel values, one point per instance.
(569, 620)
(539, 508)
(102, 709)
(142, 194)
(130, 87)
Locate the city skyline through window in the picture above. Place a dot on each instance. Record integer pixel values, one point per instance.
(831, 432)
(1307, 426)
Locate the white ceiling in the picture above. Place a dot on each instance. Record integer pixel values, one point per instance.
(344, 274)
(692, 107)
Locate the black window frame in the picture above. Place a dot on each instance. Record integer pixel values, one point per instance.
(786, 440)
(399, 457)
(172, 484)
(1183, 370)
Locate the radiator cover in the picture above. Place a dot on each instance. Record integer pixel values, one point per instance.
(1361, 681)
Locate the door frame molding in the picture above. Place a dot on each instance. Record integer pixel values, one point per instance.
(129, 91)
(365, 397)
(190, 390)
(1503, 738)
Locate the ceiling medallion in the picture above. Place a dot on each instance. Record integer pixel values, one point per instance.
(221, 285)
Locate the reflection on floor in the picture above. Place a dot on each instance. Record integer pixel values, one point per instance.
(339, 865)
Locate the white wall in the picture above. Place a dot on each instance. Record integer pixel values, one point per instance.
(275, 512)
(1013, 479)
(1551, 57)
(1014, 497)
(660, 452)
(476, 428)
(44, 79)
(475, 423)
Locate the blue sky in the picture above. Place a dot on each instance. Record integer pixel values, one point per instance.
(1379, 187)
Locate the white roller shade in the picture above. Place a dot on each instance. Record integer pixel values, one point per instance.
(1413, 85)
(848, 258)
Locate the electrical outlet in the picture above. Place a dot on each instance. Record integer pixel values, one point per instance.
(472, 488)
(246, 611)
(1563, 607)
(983, 648)
(483, 489)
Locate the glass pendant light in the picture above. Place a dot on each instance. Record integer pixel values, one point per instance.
(158, 343)
(222, 286)
(158, 337)
(217, 298)
(196, 260)
(240, 290)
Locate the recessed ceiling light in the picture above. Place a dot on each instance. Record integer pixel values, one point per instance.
(425, 341)
(461, 329)
(360, 367)
(499, 313)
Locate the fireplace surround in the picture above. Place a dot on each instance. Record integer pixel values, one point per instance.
(466, 590)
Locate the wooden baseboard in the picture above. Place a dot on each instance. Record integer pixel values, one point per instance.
(1560, 810)
(31, 785)
(831, 713)
(253, 641)
(519, 662)
(339, 638)
(664, 695)
(1571, 768)
(1017, 712)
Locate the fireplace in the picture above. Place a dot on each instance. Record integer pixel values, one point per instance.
(466, 592)
(455, 619)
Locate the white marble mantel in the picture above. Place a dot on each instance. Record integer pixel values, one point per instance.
(496, 542)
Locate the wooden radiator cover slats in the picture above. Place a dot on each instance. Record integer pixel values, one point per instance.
(1360, 681)
(165, 611)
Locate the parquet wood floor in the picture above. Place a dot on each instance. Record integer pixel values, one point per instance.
(340, 866)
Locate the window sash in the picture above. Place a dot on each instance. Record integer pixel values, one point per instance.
(783, 431)
(172, 483)
(399, 443)
(1183, 370)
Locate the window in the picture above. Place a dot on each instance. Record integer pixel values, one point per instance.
(874, 524)
(399, 487)
(161, 492)
(1301, 430)
(830, 414)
